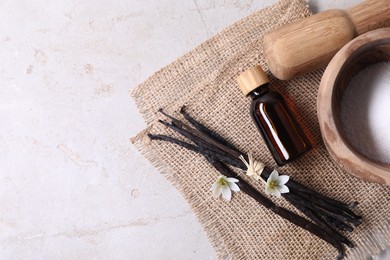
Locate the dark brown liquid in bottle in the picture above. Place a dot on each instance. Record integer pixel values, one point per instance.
(281, 132)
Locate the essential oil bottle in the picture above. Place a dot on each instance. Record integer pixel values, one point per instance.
(276, 123)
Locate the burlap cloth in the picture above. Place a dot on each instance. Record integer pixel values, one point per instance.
(204, 80)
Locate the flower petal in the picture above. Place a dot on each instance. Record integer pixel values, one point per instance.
(216, 189)
(274, 176)
(277, 193)
(283, 189)
(231, 179)
(273, 191)
(226, 193)
(283, 179)
(233, 186)
(268, 190)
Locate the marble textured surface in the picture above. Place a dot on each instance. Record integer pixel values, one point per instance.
(71, 184)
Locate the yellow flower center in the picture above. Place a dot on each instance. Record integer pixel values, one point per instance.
(222, 182)
(273, 184)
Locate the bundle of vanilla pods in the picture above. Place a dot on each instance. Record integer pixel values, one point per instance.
(327, 215)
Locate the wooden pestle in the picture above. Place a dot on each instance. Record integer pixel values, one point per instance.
(310, 43)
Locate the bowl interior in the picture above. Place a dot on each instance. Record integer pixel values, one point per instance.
(368, 54)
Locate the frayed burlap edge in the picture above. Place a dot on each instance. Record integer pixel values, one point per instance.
(171, 70)
(372, 243)
(141, 142)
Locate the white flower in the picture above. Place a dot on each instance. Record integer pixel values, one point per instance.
(254, 168)
(276, 184)
(224, 186)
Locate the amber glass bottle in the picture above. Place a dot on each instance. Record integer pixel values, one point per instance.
(280, 130)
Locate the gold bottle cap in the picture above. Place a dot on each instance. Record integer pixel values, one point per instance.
(252, 79)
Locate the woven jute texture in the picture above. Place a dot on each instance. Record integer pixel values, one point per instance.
(204, 81)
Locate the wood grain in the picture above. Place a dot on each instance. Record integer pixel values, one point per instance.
(310, 43)
(370, 48)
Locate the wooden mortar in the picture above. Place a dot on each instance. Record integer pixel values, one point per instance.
(367, 49)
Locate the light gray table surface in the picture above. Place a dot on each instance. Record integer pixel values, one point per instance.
(72, 186)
